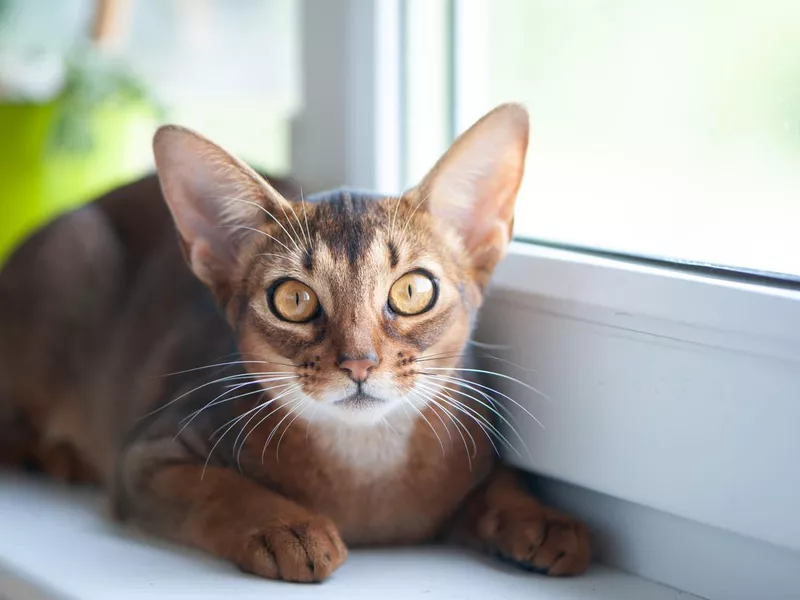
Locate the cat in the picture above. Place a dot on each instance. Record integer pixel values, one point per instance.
(303, 387)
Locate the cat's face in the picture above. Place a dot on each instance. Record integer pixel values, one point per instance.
(357, 302)
(352, 306)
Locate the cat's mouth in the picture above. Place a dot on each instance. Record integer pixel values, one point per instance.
(359, 400)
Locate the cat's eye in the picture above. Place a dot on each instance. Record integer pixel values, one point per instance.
(294, 301)
(412, 294)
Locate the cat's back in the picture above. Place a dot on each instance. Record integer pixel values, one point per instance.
(61, 294)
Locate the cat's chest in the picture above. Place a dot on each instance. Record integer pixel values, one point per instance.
(381, 484)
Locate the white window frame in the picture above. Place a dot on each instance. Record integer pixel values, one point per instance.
(675, 393)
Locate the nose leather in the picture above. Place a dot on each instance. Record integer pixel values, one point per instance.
(358, 368)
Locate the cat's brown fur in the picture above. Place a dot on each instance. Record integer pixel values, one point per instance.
(103, 330)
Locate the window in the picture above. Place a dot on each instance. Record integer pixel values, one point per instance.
(659, 129)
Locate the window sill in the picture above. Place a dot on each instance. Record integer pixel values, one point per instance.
(56, 543)
(670, 390)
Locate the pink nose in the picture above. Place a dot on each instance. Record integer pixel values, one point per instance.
(358, 368)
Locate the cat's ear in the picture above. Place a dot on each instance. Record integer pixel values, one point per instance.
(216, 200)
(474, 185)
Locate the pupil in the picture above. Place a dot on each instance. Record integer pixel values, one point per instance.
(297, 298)
(409, 290)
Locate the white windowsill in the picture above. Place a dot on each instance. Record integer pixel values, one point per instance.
(668, 390)
(56, 543)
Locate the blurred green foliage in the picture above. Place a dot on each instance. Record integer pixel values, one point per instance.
(93, 81)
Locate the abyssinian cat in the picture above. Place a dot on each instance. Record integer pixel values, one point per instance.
(304, 386)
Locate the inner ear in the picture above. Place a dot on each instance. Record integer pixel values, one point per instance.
(217, 202)
(474, 185)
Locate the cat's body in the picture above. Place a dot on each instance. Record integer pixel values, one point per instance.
(266, 403)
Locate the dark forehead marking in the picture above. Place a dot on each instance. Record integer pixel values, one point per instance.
(347, 221)
(394, 257)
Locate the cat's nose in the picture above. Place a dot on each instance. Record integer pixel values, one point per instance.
(358, 368)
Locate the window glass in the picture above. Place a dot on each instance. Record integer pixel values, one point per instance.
(664, 128)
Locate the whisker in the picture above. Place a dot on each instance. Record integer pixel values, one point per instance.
(479, 420)
(242, 416)
(233, 424)
(394, 216)
(264, 233)
(428, 422)
(446, 428)
(310, 420)
(238, 418)
(440, 356)
(222, 400)
(267, 378)
(300, 227)
(303, 408)
(428, 397)
(488, 346)
(199, 387)
(291, 208)
(281, 256)
(400, 197)
(197, 413)
(458, 424)
(219, 400)
(485, 426)
(225, 364)
(273, 217)
(445, 356)
(228, 425)
(469, 384)
(305, 217)
(495, 374)
(385, 421)
(413, 212)
(490, 406)
(290, 411)
(494, 411)
(280, 395)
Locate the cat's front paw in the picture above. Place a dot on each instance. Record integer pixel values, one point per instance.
(303, 551)
(537, 539)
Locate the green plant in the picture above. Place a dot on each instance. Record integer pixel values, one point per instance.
(92, 80)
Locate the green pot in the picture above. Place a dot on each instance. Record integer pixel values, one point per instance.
(38, 181)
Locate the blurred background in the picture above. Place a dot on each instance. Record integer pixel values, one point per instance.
(661, 129)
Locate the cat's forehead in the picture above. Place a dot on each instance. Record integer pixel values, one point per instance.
(362, 230)
(348, 223)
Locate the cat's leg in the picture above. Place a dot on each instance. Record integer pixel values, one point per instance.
(503, 519)
(64, 462)
(231, 517)
(22, 447)
(18, 439)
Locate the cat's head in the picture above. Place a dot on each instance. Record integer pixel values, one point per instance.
(355, 303)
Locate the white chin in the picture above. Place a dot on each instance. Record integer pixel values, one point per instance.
(369, 407)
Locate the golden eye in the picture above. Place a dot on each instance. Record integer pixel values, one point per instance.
(294, 301)
(412, 294)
